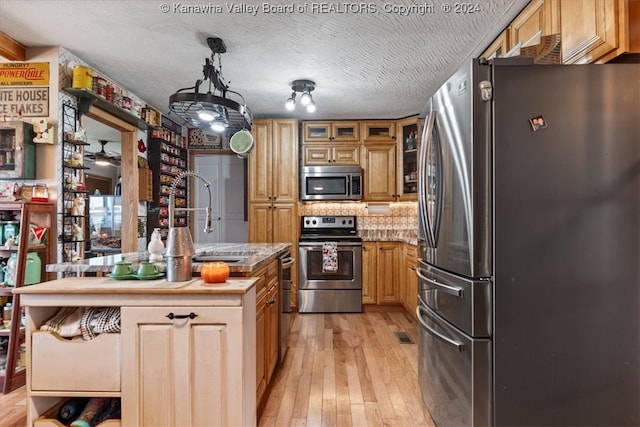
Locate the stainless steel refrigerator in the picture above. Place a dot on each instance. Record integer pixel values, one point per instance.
(529, 213)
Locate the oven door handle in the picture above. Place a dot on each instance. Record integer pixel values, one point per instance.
(308, 245)
(453, 290)
(458, 345)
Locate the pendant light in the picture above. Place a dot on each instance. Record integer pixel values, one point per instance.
(213, 109)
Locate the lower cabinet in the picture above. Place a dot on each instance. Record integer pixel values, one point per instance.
(185, 355)
(181, 366)
(381, 267)
(410, 282)
(267, 327)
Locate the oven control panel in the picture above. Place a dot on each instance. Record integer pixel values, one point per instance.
(329, 222)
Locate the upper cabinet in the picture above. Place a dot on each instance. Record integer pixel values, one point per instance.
(379, 170)
(378, 131)
(339, 131)
(599, 30)
(273, 164)
(499, 47)
(540, 17)
(17, 151)
(407, 170)
(591, 31)
(333, 155)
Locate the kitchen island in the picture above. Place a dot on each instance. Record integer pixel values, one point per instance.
(246, 257)
(185, 354)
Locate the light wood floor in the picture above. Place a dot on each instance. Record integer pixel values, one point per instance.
(340, 370)
(348, 370)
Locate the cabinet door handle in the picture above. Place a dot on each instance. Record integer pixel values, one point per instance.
(191, 315)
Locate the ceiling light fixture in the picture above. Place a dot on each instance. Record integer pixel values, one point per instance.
(102, 157)
(207, 115)
(102, 161)
(201, 109)
(305, 87)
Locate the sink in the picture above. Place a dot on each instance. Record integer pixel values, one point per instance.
(229, 259)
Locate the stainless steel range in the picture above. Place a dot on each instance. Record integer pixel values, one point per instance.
(330, 268)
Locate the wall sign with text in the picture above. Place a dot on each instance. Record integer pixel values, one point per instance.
(24, 74)
(24, 101)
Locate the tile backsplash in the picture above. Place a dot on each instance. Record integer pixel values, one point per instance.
(399, 223)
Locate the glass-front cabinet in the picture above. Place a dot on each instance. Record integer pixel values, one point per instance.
(105, 222)
(17, 151)
(330, 131)
(409, 138)
(378, 131)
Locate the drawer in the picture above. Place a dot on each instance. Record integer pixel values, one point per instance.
(463, 302)
(58, 364)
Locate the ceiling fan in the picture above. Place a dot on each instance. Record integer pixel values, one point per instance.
(104, 158)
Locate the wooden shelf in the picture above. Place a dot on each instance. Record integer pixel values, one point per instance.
(87, 98)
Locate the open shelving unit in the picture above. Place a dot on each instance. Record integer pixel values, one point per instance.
(27, 213)
(167, 157)
(73, 192)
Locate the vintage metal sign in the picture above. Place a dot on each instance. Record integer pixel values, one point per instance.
(24, 74)
(24, 102)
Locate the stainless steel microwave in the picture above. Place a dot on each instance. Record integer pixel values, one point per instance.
(331, 183)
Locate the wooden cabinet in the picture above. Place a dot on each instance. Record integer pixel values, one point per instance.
(591, 31)
(378, 131)
(539, 18)
(17, 151)
(176, 370)
(334, 155)
(388, 272)
(145, 184)
(381, 269)
(498, 47)
(369, 265)
(273, 186)
(273, 166)
(410, 279)
(407, 168)
(185, 355)
(379, 170)
(338, 131)
(27, 256)
(599, 30)
(267, 327)
(273, 223)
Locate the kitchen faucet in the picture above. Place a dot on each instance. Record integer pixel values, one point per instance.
(180, 247)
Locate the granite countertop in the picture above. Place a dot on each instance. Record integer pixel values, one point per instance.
(249, 256)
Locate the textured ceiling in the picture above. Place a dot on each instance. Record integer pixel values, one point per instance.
(372, 63)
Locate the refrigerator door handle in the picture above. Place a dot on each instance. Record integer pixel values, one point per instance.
(423, 180)
(453, 290)
(453, 343)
